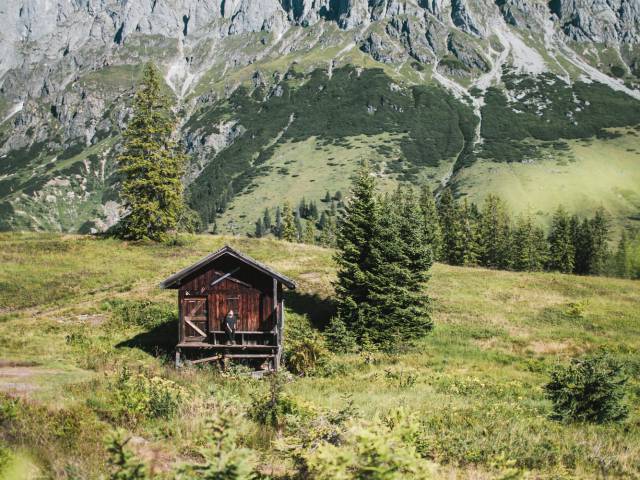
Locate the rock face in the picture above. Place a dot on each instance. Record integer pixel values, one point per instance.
(68, 68)
(600, 21)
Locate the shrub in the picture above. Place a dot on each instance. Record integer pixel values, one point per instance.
(339, 337)
(382, 449)
(273, 408)
(590, 389)
(140, 396)
(123, 464)
(306, 352)
(223, 458)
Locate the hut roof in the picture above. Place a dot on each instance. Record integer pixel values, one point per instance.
(175, 280)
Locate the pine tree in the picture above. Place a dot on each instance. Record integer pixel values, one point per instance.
(266, 220)
(452, 243)
(529, 246)
(599, 242)
(332, 211)
(259, 231)
(322, 223)
(358, 226)
(622, 260)
(581, 240)
(470, 231)
(278, 225)
(495, 232)
(313, 210)
(328, 233)
(561, 248)
(397, 307)
(299, 227)
(327, 197)
(303, 210)
(309, 236)
(338, 196)
(151, 165)
(430, 221)
(288, 230)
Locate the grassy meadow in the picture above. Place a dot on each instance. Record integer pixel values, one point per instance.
(75, 311)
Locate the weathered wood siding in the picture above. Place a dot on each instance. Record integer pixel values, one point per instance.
(247, 291)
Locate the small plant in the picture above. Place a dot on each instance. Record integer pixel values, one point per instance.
(400, 379)
(223, 458)
(576, 310)
(273, 408)
(589, 389)
(123, 464)
(339, 337)
(138, 396)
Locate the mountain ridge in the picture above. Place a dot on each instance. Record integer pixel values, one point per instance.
(69, 69)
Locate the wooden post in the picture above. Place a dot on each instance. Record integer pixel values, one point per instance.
(276, 315)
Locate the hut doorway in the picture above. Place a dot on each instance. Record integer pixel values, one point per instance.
(196, 319)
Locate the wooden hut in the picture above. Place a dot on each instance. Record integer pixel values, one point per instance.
(229, 280)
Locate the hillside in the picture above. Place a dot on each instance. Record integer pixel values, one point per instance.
(278, 100)
(74, 310)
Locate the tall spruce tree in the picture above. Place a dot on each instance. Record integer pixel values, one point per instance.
(529, 246)
(259, 230)
(470, 230)
(288, 231)
(309, 235)
(430, 221)
(328, 232)
(266, 220)
(277, 228)
(357, 228)
(599, 242)
(495, 232)
(561, 247)
(452, 249)
(151, 165)
(622, 259)
(397, 308)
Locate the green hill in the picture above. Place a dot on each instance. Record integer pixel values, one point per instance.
(74, 310)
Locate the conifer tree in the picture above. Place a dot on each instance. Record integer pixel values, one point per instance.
(430, 221)
(561, 248)
(581, 239)
(309, 236)
(151, 165)
(529, 246)
(599, 242)
(278, 225)
(266, 220)
(313, 210)
(322, 223)
(470, 230)
(396, 307)
(327, 197)
(299, 227)
(622, 260)
(259, 231)
(495, 231)
(358, 226)
(338, 196)
(328, 233)
(452, 236)
(288, 230)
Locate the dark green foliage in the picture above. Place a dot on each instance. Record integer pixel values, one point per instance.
(358, 227)
(622, 259)
(589, 389)
(123, 464)
(266, 220)
(561, 247)
(529, 250)
(430, 221)
(272, 407)
(339, 337)
(504, 129)
(288, 230)
(451, 227)
(383, 262)
(260, 229)
(151, 166)
(437, 126)
(470, 228)
(495, 233)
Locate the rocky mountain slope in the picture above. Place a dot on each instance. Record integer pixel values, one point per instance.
(280, 99)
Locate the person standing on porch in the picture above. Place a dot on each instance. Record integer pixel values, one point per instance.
(229, 325)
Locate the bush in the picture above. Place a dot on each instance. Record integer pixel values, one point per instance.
(139, 396)
(589, 389)
(274, 407)
(306, 352)
(339, 337)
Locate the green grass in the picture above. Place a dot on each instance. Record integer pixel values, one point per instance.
(478, 377)
(589, 174)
